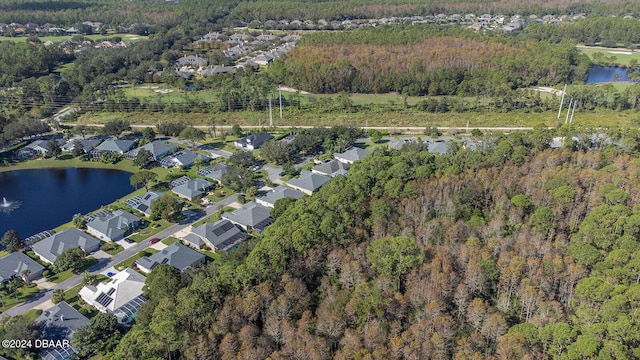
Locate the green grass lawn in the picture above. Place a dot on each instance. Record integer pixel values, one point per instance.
(4, 253)
(111, 248)
(212, 256)
(170, 240)
(62, 276)
(23, 294)
(32, 314)
(153, 228)
(129, 262)
(621, 59)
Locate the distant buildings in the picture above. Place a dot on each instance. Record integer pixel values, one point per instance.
(308, 182)
(113, 227)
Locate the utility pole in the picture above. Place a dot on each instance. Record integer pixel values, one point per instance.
(566, 120)
(575, 103)
(562, 100)
(270, 114)
(280, 96)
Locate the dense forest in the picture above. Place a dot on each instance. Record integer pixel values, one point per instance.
(422, 60)
(422, 256)
(248, 11)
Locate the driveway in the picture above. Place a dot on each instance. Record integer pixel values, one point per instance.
(43, 298)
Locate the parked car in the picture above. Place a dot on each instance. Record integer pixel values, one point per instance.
(129, 241)
(154, 240)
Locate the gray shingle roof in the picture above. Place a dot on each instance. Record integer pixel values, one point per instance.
(176, 255)
(13, 264)
(157, 148)
(215, 172)
(50, 248)
(250, 216)
(192, 188)
(352, 155)
(332, 168)
(280, 192)
(116, 145)
(115, 226)
(255, 140)
(59, 321)
(143, 203)
(222, 234)
(309, 181)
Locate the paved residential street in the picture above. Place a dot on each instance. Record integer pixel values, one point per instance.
(44, 296)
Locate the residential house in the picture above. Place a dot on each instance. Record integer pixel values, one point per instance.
(222, 235)
(87, 144)
(157, 148)
(215, 172)
(308, 182)
(40, 146)
(177, 255)
(192, 61)
(115, 226)
(121, 296)
(192, 188)
(143, 203)
(331, 168)
(438, 147)
(48, 249)
(184, 158)
(252, 142)
(352, 155)
(115, 146)
(57, 324)
(269, 199)
(250, 217)
(14, 265)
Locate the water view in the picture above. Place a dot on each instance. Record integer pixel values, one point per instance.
(36, 200)
(604, 74)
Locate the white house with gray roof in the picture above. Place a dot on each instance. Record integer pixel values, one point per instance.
(192, 188)
(13, 265)
(331, 168)
(157, 148)
(250, 217)
(117, 146)
(215, 172)
(308, 182)
(121, 296)
(58, 323)
(269, 199)
(252, 142)
(50, 248)
(222, 235)
(115, 226)
(184, 158)
(351, 155)
(177, 255)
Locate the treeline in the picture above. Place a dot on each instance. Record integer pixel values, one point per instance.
(416, 255)
(368, 9)
(416, 63)
(592, 30)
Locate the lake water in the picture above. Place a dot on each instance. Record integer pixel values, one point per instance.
(603, 74)
(50, 197)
